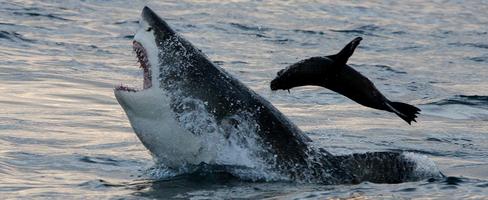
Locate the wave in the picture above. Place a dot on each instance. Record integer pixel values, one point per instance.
(459, 107)
(308, 32)
(35, 14)
(249, 28)
(468, 100)
(385, 68)
(13, 36)
(478, 58)
(100, 160)
(476, 45)
(362, 30)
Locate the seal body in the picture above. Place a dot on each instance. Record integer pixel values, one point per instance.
(333, 73)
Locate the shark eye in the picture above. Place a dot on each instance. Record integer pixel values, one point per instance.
(149, 29)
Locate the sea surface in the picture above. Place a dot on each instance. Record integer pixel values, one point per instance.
(64, 136)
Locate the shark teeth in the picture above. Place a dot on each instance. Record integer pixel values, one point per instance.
(141, 55)
(144, 63)
(125, 88)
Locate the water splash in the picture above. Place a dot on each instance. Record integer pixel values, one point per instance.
(424, 167)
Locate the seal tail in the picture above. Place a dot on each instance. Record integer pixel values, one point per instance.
(405, 111)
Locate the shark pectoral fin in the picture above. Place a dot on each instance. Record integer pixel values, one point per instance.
(347, 51)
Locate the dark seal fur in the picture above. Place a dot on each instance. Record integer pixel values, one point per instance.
(332, 72)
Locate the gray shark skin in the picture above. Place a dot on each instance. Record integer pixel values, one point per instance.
(187, 102)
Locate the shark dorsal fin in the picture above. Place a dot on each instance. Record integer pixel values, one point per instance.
(347, 51)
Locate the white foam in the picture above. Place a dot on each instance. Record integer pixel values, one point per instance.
(424, 167)
(233, 142)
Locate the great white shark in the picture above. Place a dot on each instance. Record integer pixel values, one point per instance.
(190, 111)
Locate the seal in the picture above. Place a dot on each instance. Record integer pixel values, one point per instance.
(190, 112)
(332, 72)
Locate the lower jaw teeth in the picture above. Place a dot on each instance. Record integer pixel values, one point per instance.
(125, 88)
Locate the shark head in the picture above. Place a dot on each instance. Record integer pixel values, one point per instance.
(190, 111)
(148, 108)
(147, 44)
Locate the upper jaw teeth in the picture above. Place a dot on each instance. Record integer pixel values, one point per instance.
(144, 63)
(141, 57)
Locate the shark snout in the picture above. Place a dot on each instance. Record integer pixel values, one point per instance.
(160, 27)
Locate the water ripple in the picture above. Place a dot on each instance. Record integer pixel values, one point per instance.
(478, 58)
(13, 36)
(369, 30)
(32, 14)
(249, 28)
(476, 45)
(100, 160)
(469, 100)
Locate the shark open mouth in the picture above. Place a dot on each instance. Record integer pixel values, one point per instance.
(144, 65)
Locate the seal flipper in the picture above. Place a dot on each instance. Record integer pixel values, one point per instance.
(405, 111)
(347, 51)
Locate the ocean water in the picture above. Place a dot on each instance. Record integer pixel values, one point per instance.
(64, 136)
